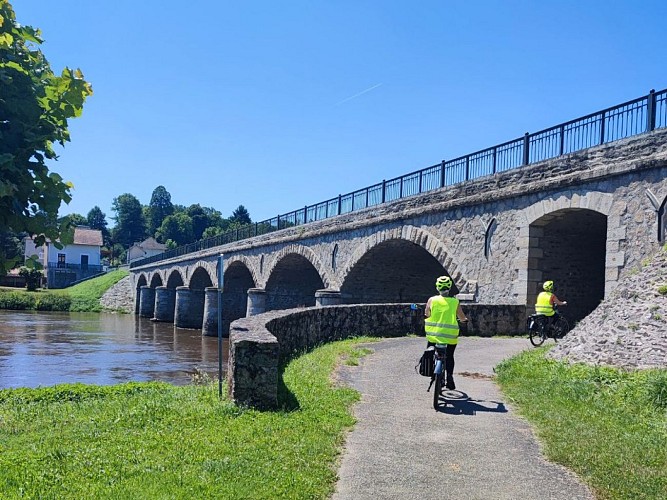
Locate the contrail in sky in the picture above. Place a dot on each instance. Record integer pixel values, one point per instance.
(357, 95)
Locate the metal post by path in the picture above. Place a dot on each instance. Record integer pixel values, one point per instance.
(221, 260)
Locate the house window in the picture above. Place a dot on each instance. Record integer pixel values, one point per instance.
(61, 260)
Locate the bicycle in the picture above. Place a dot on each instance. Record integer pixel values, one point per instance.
(438, 374)
(540, 328)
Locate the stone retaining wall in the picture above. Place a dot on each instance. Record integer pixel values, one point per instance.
(257, 344)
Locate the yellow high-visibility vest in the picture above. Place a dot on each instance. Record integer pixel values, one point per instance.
(543, 304)
(441, 326)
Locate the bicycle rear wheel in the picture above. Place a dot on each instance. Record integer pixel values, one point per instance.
(560, 328)
(536, 333)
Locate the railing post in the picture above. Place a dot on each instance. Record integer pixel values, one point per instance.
(384, 188)
(278, 222)
(494, 159)
(305, 214)
(602, 127)
(352, 202)
(442, 173)
(526, 148)
(562, 140)
(467, 168)
(400, 189)
(339, 204)
(420, 180)
(650, 111)
(366, 197)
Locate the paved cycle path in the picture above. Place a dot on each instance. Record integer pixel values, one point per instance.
(401, 448)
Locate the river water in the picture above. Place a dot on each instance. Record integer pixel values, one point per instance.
(41, 349)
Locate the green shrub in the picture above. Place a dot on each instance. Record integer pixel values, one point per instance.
(33, 278)
(662, 289)
(52, 302)
(17, 301)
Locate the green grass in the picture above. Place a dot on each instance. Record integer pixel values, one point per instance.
(84, 297)
(607, 425)
(153, 440)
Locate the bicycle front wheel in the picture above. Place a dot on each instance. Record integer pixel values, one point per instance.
(536, 334)
(438, 374)
(560, 327)
(437, 390)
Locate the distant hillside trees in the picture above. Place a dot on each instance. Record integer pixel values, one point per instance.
(159, 208)
(178, 225)
(74, 220)
(130, 224)
(240, 216)
(98, 220)
(178, 228)
(199, 220)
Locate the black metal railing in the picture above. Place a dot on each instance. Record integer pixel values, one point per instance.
(62, 266)
(631, 118)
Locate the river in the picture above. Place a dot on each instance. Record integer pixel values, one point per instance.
(45, 348)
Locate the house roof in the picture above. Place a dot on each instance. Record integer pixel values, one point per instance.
(150, 244)
(85, 236)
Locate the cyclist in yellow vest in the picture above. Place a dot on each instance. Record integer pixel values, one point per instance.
(441, 327)
(546, 300)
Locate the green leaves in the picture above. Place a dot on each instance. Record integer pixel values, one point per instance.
(35, 106)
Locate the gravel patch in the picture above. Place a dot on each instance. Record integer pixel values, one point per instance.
(629, 328)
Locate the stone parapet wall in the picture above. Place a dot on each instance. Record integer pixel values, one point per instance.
(257, 344)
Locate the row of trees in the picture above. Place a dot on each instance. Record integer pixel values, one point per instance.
(168, 223)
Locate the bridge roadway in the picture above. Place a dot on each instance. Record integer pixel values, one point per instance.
(582, 220)
(478, 448)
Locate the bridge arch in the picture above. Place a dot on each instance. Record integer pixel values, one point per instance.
(569, 239)
(307, 254)
(175, 279)
(141, 281)
(295, 273)
(397, 265)
(200, 278)
(239, 276)
(244, 261)
(156, 280)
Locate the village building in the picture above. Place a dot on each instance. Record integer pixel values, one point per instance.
(71, 263)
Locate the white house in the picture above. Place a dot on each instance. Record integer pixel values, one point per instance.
(146, 248)
(73, 262)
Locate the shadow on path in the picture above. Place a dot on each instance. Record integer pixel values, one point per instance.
(459, 403)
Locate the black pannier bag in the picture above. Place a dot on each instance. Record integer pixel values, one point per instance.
(426, 363)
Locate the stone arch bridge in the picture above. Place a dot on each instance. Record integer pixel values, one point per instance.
(582, 220)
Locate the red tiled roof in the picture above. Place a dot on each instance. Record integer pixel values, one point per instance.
(87, 236)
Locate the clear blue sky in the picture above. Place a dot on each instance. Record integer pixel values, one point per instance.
(275, 105)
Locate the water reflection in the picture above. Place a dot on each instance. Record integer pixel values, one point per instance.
(38, 349)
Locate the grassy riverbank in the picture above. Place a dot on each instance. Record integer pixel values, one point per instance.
(84, 297)
(153, 440)
(607, 425)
